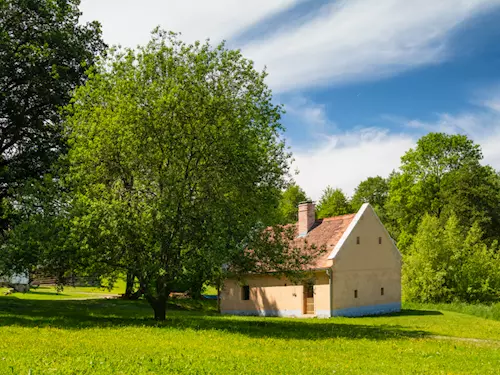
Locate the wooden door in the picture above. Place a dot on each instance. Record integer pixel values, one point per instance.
(309, 299)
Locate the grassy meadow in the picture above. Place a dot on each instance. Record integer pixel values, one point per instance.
(50, 293)
(54, 334)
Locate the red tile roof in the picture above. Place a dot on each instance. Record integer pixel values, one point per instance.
(326, 232)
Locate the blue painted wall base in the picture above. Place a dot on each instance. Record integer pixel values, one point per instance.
(280, 313)
(369, 310)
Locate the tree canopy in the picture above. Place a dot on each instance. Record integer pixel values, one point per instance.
(176, 156)
(429, 182)
(288, 204)
(373, 190)
(44, 53)
(445, 264)
(333, 202)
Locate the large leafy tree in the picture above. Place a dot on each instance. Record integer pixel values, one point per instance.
(425, 182)
(333, 202)
(176, 161)
(44, 53)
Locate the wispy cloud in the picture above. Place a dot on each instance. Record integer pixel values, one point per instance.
(345, 159)
(490, 98)
(362, 39)
(307, 114)
(129, 22)
(342, 41)
(481, 125)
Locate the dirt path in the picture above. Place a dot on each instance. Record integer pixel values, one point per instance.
(94, 296)
(466, 339)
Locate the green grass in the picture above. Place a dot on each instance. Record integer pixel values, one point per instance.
(62, 336)
(484, 311)
(210, 290)
(69, 292)
(50, 292)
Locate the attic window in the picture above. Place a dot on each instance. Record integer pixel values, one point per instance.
(355, 293)
(381, 291)
(245, 293)
(357, 240)
(380, 240)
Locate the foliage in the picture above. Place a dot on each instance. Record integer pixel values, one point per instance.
(289, 202)
(276, 250)
(113, 336)
(373, 190)
(51, 238)
(472, 193)
(41, 242)
(176, 159)
(427, 174)
(44, 53)
(333, 202)
(444, 265)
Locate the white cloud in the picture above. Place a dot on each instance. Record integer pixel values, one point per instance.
(129, 22)
(490, 98)
(308, 114)
(344, 41)
(362, 39)
(345, 159)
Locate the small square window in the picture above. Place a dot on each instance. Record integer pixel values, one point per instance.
(380, 240)
(357, 240)
(245, 293)
(381, 291)
(356, 293)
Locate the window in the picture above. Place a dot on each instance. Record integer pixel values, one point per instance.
(381, 291)
(357, 240)
(380, 240)
(356, 293)
(245, 293)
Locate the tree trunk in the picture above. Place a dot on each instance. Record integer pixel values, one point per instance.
(129, 290)
(160, 309)
(158, 303)
(219, 282)
(157, 296)
(196, 290)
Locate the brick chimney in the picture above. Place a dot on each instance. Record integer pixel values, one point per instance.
(307, 216)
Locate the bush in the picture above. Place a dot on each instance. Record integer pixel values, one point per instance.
(448, 265)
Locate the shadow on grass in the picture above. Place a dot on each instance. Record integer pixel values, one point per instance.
(72, 315)
(409, 312)
(40, 293)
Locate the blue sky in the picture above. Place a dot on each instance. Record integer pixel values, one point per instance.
(361, 79)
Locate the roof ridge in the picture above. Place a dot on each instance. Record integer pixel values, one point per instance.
(337, 217)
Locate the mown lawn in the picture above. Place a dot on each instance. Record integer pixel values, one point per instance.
(68, 292)
(51, 293)
(61, 336)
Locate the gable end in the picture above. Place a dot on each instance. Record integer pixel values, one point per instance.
(353, 224)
